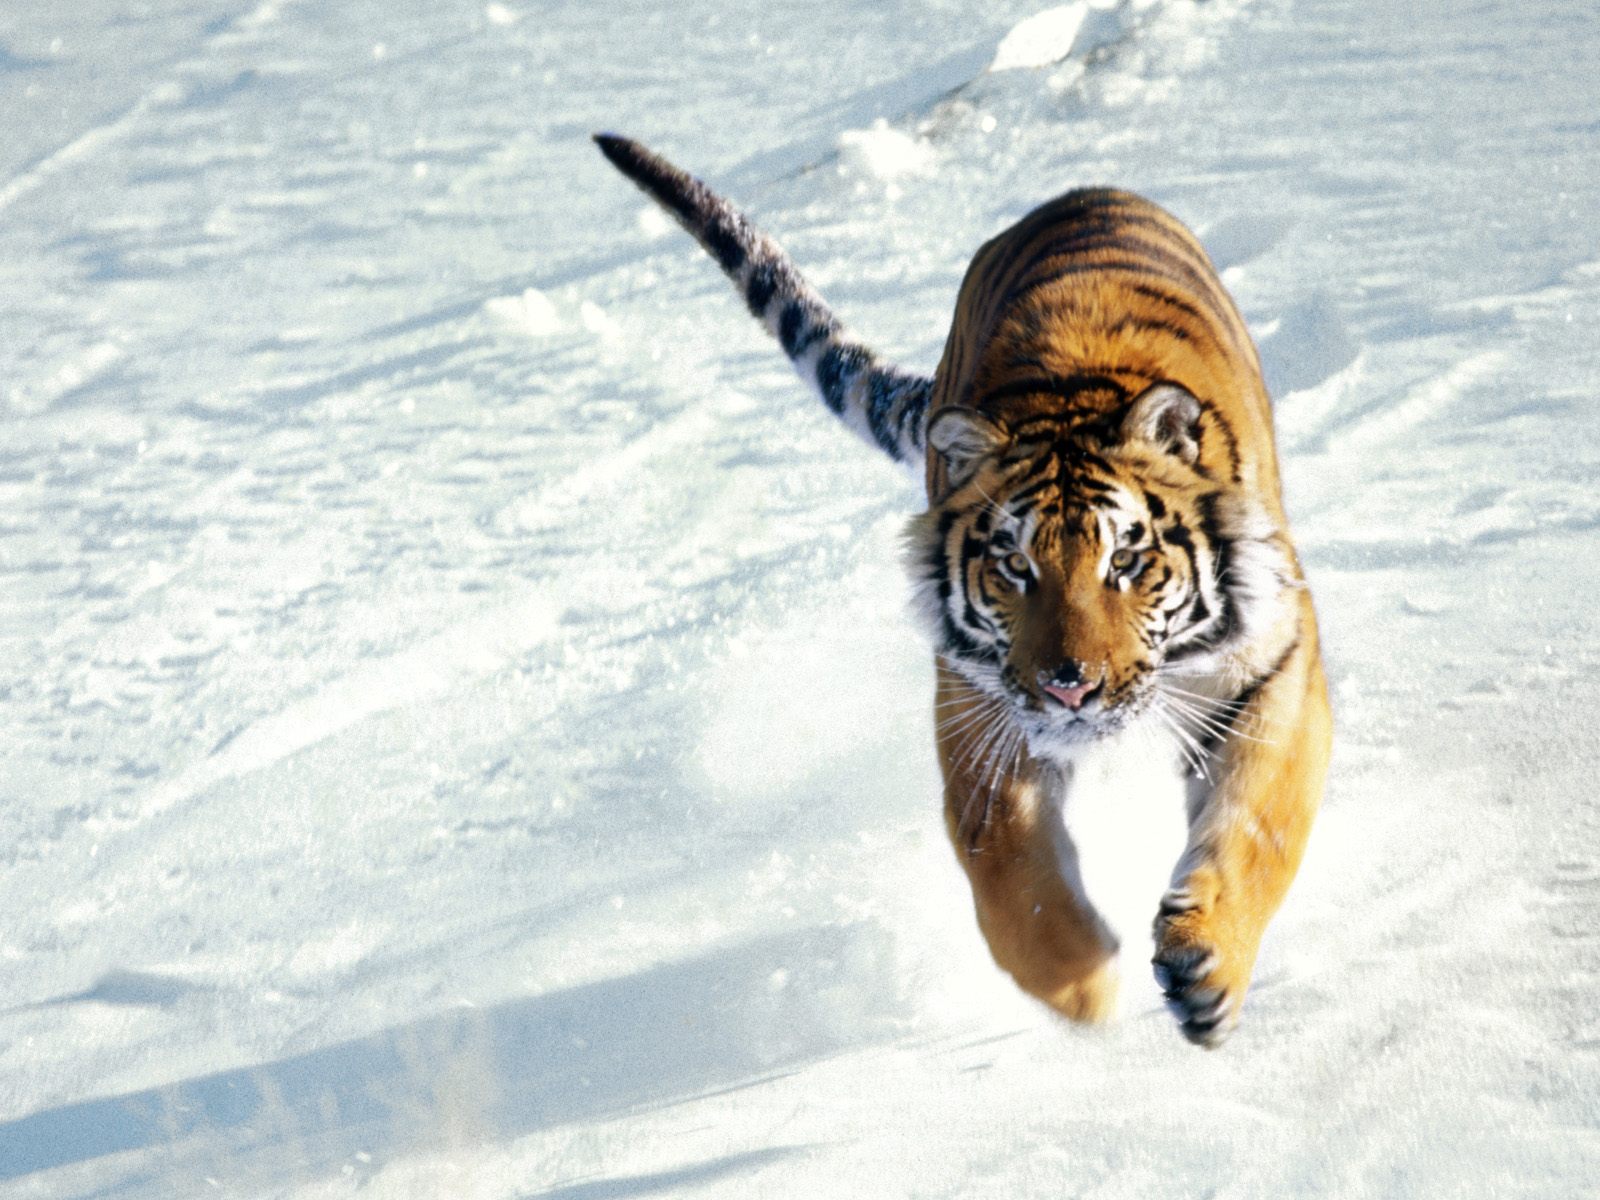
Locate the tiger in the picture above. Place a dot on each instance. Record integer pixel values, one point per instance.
(1131, 711)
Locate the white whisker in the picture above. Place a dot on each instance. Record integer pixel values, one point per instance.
(951, 726)
(1210, 723)
(1194, 753)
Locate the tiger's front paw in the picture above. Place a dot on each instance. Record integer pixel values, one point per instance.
(1202, 970)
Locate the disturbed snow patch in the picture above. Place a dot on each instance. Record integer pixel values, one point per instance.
(532, 313)
(884, 152)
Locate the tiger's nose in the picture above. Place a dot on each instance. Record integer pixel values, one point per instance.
(1068, 685)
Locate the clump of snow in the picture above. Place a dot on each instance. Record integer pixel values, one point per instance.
(597, 321)
(1044, 38)
(884, 152)
(532, 312)
(654, 223)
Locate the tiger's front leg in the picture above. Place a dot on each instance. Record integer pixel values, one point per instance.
(1037, 928)
(1244, 848)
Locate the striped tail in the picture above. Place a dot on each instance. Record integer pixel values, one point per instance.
(885, 406)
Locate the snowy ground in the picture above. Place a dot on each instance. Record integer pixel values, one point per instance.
(464, 738)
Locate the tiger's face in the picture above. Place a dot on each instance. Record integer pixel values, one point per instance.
(1075, 574)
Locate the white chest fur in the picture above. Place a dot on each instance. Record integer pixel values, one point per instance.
(1121, 808)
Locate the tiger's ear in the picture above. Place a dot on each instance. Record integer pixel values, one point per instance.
(963, 437)
(1168, 417)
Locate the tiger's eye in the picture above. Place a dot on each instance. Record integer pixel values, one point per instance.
(1017, 564)
(1122, 559)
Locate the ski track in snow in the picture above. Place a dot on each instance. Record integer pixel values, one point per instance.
(464, 734)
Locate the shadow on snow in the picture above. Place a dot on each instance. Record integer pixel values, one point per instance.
(725, 1020)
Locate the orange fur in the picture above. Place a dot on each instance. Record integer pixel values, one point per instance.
(1106, 572)
(1133, 301)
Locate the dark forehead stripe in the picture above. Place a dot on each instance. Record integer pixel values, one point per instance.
(1062, 387)
(1055, 476)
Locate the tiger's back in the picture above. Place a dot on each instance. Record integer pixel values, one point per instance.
(1104, 286)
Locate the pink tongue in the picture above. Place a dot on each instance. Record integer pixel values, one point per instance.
(1072, 697)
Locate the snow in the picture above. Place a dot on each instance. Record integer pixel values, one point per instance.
(1042, 39)
(884, 152)
(464, 735)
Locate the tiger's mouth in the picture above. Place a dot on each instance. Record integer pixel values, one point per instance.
(1053, 725)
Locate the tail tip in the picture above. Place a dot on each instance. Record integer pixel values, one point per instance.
(622, 151)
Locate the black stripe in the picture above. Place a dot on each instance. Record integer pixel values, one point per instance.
(1242, 702)
(790, 326)
(1088, 458)
(1253, 690)
(880, 404)
(1020, 294)
(917, 394)
(958, 640)
(800, 328)
(1121, 239)
(1029, 491)
(1175, 301)
(1179, 535)
(976, 620)
(1065, 387)
(723, 242)
(1046, 427)
(763, 284)
(1073, 206)
(1091, 486)
(939, 561)
(1194, 272)
(837, 369)
(969, 612)
(1150, 325)
(1227, 436)
(1167, 242)
(1221, 555)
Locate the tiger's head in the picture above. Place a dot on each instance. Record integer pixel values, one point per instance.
(1075, 571)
